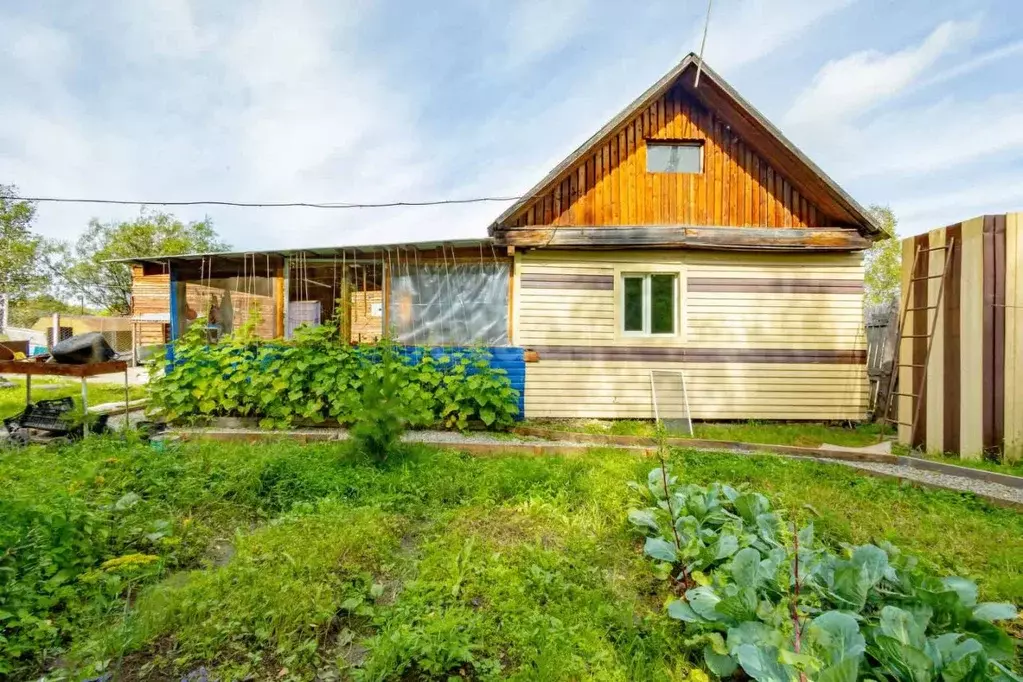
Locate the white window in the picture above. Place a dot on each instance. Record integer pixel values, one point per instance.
(649, 304)
(674, 157)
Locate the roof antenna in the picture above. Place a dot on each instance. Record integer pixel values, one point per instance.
(703, 43)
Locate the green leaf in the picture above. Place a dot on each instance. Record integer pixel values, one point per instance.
(644, 518)
(902, 626)
(726, 546)
(998, 645)
(992, 611)
(739, 607)
(722, 665)
(680, 610)
(127, 501)
(835, 635)
(966, 661)
(660, 549)
(902, 661)
(762, 664)
(966, 589)
(750, 506)
(846, 670)
(755, 633)
(703, 601)
(745, 567)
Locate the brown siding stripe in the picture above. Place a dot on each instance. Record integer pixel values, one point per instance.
(920, 330)
(655, 354)
(998, 340)
(988, 372)
(566, 281)
(952, 365)
(778, 286)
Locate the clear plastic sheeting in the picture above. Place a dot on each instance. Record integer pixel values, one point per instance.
(442, 305)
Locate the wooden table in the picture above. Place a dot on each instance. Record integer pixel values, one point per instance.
(30, 368)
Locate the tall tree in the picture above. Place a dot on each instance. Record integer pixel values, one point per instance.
(19, 247)
(883, 260)
(108, 285)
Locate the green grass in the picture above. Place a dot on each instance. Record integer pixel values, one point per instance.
(805, 434)
(285, 561)
(12, 400)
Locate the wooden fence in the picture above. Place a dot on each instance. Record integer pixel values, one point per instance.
(972, 398)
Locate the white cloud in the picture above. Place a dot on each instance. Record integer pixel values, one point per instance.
(997, 192)
(848, 87)
(534, 29)
(743, 31)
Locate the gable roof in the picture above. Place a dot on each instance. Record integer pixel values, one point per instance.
(749, 123)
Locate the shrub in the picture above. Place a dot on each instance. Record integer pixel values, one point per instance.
(316, 378)
(380, 424)
(757, 595)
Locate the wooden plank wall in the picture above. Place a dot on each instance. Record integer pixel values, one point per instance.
(761, 336)
(611, 185)
(149, 294)
(972, 397)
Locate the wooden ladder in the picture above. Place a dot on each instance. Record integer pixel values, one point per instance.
(903, 317)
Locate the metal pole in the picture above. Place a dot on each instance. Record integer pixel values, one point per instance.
(85, 410)
(28, 390)
(56, 330)
(126, 422)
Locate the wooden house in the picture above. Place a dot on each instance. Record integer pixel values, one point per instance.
(686, 235)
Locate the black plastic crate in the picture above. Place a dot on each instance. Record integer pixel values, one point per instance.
(46, 415)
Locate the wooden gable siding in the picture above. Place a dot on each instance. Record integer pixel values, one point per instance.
(611, 186)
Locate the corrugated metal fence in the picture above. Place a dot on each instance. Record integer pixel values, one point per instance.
(973, 381)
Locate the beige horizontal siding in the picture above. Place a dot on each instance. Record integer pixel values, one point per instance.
(620, 389)
(739, 320)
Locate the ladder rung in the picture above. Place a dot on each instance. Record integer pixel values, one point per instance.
(910, 395)
(896, 421)
(933, 248)
(903, 364)
(920, 279)
(915, 336)
(923, 307)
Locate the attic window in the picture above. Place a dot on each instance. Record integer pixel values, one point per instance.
(676, 156)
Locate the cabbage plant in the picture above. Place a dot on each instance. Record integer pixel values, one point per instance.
(758, 597)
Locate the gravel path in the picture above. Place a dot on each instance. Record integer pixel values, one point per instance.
(970, 485)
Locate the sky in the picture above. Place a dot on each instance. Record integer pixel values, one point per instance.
(917, 104)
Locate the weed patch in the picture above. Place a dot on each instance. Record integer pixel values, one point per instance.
(483, 568)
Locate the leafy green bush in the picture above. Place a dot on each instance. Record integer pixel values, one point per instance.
(380, 424)
(316, 378)
(756, 595)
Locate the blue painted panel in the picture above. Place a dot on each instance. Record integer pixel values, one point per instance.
(511, 359)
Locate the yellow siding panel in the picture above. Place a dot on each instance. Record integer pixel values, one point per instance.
(1014, 337)
(972, 341)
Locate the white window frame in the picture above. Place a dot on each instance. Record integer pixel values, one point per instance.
(648, 304)
(699, 144)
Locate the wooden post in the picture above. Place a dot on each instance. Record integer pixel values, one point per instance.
(279, 302)
(285, 295)
(346, 310)
(385, 302)
(28, 390)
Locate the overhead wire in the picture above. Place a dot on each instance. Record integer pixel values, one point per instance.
(282, 204)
